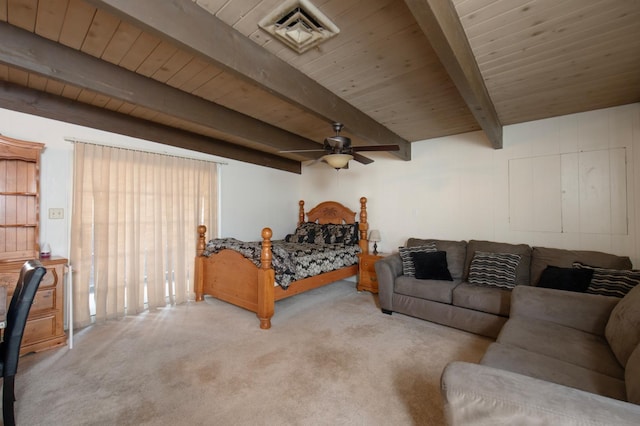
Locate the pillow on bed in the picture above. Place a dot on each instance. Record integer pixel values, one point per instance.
(306, 232)
(311, 232)
(339, 234)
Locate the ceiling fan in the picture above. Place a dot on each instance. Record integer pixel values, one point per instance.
(338, 150)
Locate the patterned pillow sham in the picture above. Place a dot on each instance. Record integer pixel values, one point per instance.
(494, 269)
(340, 234)
(611, 282)
(306, 232)
(408, 267)
(311, 232)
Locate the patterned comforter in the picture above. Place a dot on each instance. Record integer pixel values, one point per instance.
(292, 261)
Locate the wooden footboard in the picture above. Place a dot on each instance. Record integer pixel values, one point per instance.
(231, 277)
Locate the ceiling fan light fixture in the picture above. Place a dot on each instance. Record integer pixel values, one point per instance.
(338, 150)
(338, 161)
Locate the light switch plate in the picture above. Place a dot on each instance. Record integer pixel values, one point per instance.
(56, 213)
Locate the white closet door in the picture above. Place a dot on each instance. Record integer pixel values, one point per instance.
(583, 192)
(535, 197)
(603, 191)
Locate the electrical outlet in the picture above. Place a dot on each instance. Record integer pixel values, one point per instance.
(56, 213)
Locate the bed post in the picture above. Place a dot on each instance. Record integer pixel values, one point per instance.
(363, 226)
(266, 282)
(198, 276)
(301, 212)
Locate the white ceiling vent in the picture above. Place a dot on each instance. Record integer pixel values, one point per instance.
(299, 24)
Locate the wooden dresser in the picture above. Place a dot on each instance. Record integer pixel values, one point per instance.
(45, 325)
(19, 235)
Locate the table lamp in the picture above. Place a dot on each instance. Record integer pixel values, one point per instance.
(374, 236)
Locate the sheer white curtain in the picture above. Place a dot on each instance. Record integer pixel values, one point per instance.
(133, 233)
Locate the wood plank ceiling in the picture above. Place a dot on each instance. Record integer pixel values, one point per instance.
(204, 76)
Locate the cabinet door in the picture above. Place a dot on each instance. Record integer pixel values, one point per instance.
(19, 199)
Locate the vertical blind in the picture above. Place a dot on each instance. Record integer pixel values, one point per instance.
(134, 221)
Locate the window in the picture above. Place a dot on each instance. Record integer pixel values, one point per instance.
(134, 221)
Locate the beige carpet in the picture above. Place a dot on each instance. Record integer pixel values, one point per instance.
(330, 358)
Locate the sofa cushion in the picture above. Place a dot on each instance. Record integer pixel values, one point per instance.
(456, 253)
(564, 343)
(632, 376)
(408, 268)
(485, 299)
(518, 360)
(431, 266)
(623, 328)
(587, 312)
(435, 290)
(494, 269)
(568, 279)
(522, 271)
(482, 395)
(541, 257)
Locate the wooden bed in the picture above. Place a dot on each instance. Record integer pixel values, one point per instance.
(229, 276)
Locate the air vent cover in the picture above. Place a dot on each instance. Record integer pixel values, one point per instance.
(299, 24)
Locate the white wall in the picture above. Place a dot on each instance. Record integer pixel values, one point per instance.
(252, 196)
(457, 187)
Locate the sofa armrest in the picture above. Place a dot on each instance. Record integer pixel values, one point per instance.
(387, 270)
(582, 311)
(480, 395)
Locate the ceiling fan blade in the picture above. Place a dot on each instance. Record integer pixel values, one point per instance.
(312, 162)
(376, 148)
(301, 150)
(361, 158)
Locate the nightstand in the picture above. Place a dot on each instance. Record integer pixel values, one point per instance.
(367, 279)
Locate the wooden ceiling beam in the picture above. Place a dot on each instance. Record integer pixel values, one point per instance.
(32, 53)
(186, 24)
(30, 101)
(439, 21)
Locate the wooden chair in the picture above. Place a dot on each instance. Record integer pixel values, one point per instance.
(30, 276)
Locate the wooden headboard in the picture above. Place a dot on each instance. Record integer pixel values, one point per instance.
(334, 212)
(330, 212)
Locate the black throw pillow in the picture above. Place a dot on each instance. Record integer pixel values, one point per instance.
(431, 265)
(569, 279)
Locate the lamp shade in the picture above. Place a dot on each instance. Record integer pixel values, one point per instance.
(338, 161)
(374, 236)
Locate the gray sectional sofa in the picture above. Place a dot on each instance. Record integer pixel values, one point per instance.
(478, 309)
(561, 358)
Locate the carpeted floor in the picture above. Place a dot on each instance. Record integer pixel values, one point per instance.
(330, 358)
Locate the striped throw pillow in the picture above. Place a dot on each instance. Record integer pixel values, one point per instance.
(408, 267)
(611, 282)
(494, 269)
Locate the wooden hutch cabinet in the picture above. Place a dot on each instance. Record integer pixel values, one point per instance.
(19, 233)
